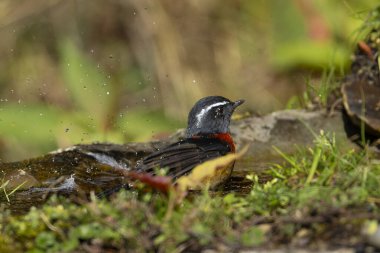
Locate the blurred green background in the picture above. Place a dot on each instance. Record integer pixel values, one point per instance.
(129, 70)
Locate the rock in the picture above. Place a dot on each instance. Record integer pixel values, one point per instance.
(286, 130)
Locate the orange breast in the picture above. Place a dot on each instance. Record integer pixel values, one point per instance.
(226, 137)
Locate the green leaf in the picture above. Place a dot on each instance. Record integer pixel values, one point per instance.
(310, 54)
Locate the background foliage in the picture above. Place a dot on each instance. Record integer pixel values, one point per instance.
(129, 70)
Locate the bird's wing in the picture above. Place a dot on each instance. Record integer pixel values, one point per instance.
(181, 157)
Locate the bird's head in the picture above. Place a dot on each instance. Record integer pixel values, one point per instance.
(211, 115)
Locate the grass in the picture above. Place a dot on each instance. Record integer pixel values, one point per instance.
(319, 190)
(316, 95)
(3, 187)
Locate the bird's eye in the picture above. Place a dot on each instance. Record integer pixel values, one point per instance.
(219, 111)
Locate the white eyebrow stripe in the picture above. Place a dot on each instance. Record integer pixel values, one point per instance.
(205, 110)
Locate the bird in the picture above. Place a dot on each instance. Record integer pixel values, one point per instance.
(207, 137)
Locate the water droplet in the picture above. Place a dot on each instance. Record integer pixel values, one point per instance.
(194, 81)
(144, 100)
(108, 92)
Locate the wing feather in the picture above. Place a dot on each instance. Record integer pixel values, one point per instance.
(181, 157)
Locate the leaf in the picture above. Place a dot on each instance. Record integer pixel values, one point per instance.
(160, 183)
(309, 53)
(202, 175)
(308, 40)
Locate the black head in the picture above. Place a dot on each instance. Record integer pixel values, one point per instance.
(211, 115)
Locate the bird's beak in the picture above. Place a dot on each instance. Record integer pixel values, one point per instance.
(237, 103)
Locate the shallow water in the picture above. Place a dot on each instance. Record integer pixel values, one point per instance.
(73, 172)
